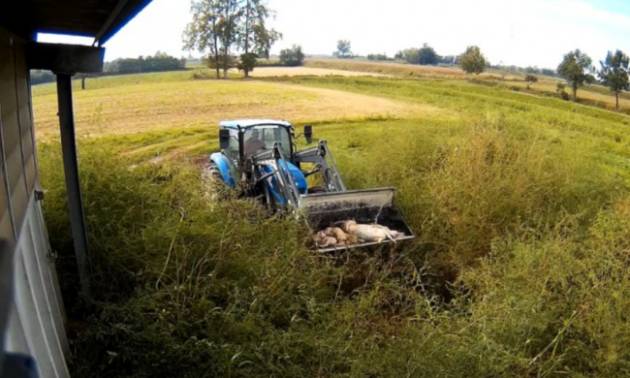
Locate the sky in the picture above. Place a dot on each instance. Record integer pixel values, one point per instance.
(510, 32)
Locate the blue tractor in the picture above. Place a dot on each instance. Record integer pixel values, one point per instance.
(259, 158)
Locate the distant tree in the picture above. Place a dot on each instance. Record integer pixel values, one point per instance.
(218, 26)
(614, 73)
(575, 69)
(530, 79)
(344, 49)
(427, 55)
(247, 63)
(473, 61)
(377, 57)
(204, 32)
(548, 72)
(254, 37)
(561, 92)
(42, 76)
(411, 56)
(292, 57)
(532, 70)
(231, 13)
(158, 62)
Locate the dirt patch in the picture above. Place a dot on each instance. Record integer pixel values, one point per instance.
(308, 71)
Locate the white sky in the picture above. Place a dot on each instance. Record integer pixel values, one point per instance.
(520, 32)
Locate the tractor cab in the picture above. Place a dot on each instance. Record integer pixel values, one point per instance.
(245, 144)
(245, 138)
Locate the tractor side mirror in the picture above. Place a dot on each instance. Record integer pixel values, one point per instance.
(224, 139)
(308, 133)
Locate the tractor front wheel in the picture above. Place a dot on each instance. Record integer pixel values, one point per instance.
(215, 187)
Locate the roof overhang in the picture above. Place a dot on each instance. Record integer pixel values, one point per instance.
(68, 59)
(100, 19)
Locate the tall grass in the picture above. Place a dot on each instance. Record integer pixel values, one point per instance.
(520, 267)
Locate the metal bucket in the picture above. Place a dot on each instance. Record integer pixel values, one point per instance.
(367, 206)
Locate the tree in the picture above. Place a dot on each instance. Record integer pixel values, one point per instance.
(255, 38)
(247, 63)
(575, 69)
(344, 49)
(292, 57)
(411, 56)
(427, 55)
(614, 73)
(377, 57)
(158, 62)
(220, 25)
(473, 61)
(561, 92)
(530, 79)
(231, 12)
(204, 31)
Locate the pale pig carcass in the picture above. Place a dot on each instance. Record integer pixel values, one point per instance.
(370, 232)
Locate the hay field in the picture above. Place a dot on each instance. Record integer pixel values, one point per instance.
(151, 106)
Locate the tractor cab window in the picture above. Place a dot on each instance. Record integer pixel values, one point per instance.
(260, 138)
(232, 150)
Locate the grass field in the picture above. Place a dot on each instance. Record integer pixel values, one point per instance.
(596, 95)
(520, 203)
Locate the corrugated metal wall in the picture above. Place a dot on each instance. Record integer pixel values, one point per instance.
(36, 323)
(36, 314)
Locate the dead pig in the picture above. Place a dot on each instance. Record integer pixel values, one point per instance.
(370, 232)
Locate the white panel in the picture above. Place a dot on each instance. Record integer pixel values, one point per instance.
(28, 315)
(16, 339)
(48, 272)
(37, 323)
(39, 292)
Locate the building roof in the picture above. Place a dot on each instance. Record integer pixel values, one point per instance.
(100, 19)
(244, 123)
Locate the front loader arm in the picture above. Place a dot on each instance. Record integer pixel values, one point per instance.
(322, 157)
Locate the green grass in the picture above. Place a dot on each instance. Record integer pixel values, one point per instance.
(520, 267)
(594, 94)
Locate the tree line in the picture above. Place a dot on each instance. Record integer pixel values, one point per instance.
(158, 62)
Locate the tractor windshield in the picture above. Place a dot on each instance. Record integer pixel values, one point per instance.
(263, 137)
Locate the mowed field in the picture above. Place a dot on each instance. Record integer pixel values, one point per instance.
(179, 103)
(520, 202)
